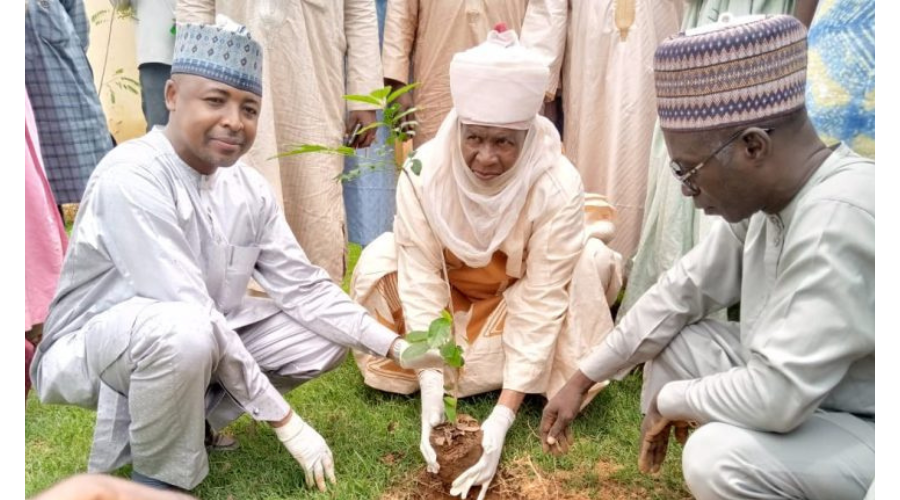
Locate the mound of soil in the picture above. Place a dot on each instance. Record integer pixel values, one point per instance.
(458, 447)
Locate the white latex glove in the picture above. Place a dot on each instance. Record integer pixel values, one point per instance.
(431, 383)
(430, 360)
(309, 449)
(482, 473)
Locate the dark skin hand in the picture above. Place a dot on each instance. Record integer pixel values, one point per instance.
(405, 101)
(551, 110)
(556, 433)
(361, 118)
(655, 430)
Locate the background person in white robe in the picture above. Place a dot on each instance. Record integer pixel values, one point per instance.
(151, 324)
(320, 50)
(785, 397)
(494, 229)
(421, 37)
(602, 51)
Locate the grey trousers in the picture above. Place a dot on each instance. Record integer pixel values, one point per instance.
(153, 78)
(830, 456)
(178, 370)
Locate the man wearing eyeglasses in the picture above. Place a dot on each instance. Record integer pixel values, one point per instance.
(784, 398)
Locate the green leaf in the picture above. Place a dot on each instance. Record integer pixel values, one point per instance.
(416, 336)
(381, 93)
(450, 408)
(439, 333)
(415, 166)
(446, 315)
(402, 90)
(363, 98)
(95, 19)
(408, 111)
(448, 349)
(120, 71)
(309, 148)
(172, 31)
(454, 357)
(414, 351)
(317, 148)
(370, 127)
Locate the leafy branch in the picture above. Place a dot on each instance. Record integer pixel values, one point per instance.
(395, 120)
(439, 336)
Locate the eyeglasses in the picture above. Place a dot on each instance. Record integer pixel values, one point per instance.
(685, 177)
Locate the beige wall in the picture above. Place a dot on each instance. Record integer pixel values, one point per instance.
(124, 117)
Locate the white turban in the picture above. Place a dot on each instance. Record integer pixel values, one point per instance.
(499, 83)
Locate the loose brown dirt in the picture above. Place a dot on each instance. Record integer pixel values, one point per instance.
(458, 447)
(522, 480)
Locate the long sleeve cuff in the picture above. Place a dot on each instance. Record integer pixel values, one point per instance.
(376, 339)
(396, 70)
(603, 364)
(672, 401)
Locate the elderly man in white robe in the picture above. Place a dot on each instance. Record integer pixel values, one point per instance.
(497, 229)
(151, 324)
(785, 398)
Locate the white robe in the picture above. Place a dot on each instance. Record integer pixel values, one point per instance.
(609, 100)
(152, 231)
(804, 347)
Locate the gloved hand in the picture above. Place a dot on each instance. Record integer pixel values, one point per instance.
(309, 449)
(431, 384)
(430, 359)
(482, 473)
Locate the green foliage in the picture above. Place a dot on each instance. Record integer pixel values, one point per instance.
(395, 121)
(450, 408)
(118, 81)
(439, 336)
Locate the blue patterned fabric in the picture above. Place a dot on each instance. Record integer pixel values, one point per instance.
(230, 57)
(70, 120)
(733, 74)
(369, 199)
(840, 93)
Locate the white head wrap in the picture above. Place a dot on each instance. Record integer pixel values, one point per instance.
(498, 84)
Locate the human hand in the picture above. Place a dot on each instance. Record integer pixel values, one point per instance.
(561, 410)
(482, 473)
(309, 449)
(103, 487)
(655, 430)
(357, 121)
(431, 384)
(404, 103)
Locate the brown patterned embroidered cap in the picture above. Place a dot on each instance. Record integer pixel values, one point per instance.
(735, 72)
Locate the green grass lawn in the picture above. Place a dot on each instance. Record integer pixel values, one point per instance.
(374, 437)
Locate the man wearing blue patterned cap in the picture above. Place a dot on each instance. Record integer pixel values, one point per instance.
(151, 324)
(785, 397)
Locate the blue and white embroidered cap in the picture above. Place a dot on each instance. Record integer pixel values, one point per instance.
(223, 52)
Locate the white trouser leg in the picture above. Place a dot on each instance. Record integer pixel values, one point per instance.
(286, 352)
(161, 356)
(703, 348)
(831, 456)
